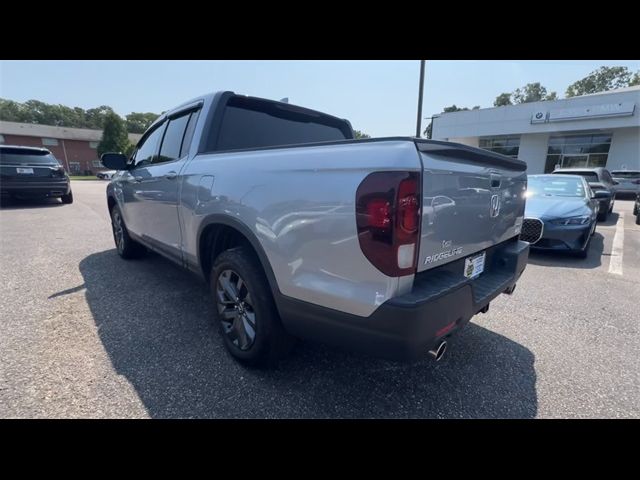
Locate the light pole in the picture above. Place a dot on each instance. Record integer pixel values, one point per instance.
(420, 91)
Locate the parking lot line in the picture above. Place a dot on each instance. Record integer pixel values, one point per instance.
(615, 264)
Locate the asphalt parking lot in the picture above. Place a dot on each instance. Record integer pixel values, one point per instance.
(86, 334)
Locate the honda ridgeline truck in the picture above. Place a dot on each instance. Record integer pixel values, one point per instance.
(385, 245)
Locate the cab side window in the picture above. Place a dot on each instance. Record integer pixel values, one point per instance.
(172, 141)
(148, 150)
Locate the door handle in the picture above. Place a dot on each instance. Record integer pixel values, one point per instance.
(170, 175)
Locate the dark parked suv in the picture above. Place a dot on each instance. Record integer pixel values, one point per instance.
(31, 172)
(599, 180)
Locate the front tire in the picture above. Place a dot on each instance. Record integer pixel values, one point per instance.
(245, 309)
(126, 246)
(68, 198)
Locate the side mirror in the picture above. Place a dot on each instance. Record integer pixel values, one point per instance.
(114, 161)
(601, 194)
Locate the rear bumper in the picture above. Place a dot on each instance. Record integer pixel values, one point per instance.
(35, 189)
(406, 327)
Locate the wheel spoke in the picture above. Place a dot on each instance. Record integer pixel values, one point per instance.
(248, 328)
(247, 299)
(251, 317)
(229, 289)
(241, 333)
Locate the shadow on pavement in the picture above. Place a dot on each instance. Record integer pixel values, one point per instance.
(15, 204)
(568, 260)
(153, 320)
(611, 220)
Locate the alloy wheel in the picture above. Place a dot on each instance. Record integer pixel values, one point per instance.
(118, 231)
(235, 308)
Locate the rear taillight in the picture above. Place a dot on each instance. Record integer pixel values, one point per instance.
(388, 221)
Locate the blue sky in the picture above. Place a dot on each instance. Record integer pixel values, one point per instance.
(378, 97)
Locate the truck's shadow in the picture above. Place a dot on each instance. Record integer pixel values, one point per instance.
(152, 319)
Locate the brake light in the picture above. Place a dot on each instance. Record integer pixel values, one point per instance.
(388, 221)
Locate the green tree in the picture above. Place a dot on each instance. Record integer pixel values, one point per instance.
(601, 80)
(138, 122)
(114, 135)
(11, 111)
(502, 100)
(95, 117)
(359, 134)
(532, 92)
(129, 150)
(635, 80)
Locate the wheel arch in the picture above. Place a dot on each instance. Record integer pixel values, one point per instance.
(218, 233)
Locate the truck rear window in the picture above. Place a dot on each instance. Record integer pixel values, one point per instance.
(253, 123)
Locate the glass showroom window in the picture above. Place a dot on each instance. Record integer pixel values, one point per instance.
(575, 151)
(505, 145)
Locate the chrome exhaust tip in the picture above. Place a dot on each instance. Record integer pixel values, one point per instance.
(438, 352)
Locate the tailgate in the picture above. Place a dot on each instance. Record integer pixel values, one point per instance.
(472, 199)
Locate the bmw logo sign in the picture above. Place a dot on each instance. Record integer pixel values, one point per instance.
(539, 115)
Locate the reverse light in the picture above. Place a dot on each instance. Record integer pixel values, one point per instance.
(388, 221)
(571, 221)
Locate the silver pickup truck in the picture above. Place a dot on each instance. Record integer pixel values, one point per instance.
(386, 246)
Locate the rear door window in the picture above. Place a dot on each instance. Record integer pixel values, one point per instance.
(255, 123)
(172, 141)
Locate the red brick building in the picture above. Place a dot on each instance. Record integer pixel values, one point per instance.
(75, 148)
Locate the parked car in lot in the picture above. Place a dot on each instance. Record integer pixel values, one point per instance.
(31, 172)
(105, 174)
(303, 231)
(636, 209)
(628, 181)
(599, 179)
(561, 213)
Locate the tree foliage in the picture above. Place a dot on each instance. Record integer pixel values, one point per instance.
(139, 122)
(602, 80)
(532, 92)
(502, 100)
(359, 134)
(35, 111)
(114, 135)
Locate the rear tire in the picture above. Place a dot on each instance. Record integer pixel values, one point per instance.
(127, 247)
(602, 216)
(68, 198)
(638, 218)
(245, 310)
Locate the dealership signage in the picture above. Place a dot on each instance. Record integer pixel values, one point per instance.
(594, 111)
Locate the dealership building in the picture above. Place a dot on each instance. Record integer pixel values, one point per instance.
(75, 148)
(598, 130)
